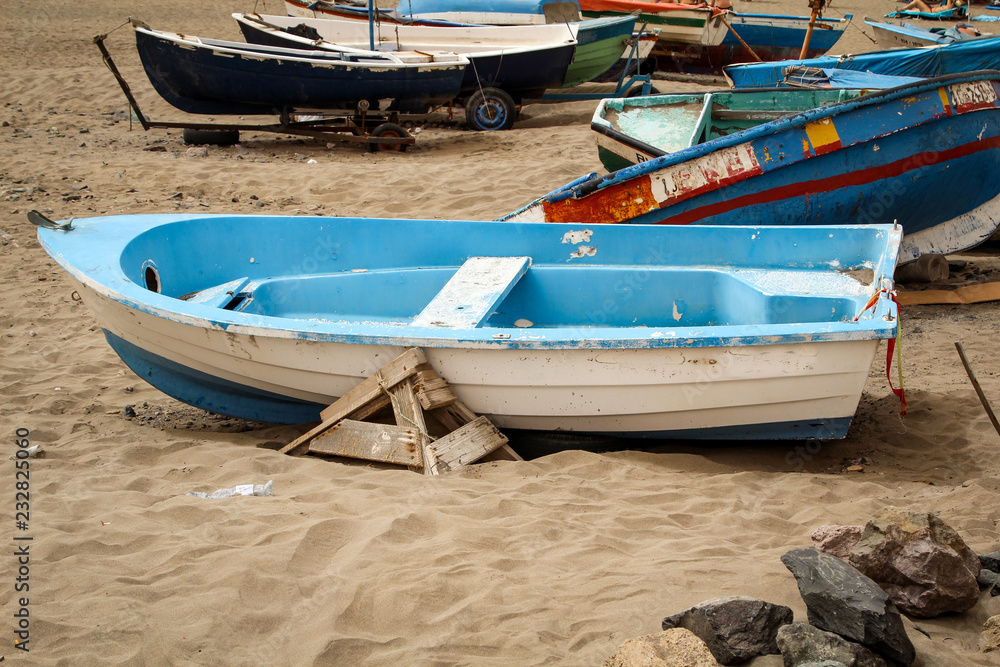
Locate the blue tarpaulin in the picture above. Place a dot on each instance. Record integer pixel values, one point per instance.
(938, 60)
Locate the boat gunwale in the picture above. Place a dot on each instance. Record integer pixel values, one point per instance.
(110, 282)
(583, 188)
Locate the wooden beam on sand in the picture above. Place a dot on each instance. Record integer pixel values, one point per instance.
(979, 389)
(387, 443)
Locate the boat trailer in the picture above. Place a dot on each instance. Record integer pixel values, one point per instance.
(379, 131)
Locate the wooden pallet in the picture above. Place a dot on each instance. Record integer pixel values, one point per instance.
(433, 431)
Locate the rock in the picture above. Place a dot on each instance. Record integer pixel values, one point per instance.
(842, 600)
(128, 412)
(671, 648)
(824, 663)
(837, 540)
(986, 578)
(990, 561)
(803, 644)
(735, 628)
(989, 640)
(920, 561)
(197, 151)
(995, 590)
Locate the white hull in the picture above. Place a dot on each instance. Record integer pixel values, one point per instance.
(632, 391)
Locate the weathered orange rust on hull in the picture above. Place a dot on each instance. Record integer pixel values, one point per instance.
(617, 203)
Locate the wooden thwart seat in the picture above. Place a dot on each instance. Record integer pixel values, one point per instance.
(469, 298)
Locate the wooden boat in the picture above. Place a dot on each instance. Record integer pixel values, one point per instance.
(915, 154)
(968, 55)
(208, 76)
(596, 39)
(695, 45)
(633, 330)
(635, 129)
(520, 60)
(692, 25)
(909, 35)
(502, 73)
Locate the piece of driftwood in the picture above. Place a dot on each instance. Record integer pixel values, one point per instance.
(456, 415)
(388, 443)
(406, 408)
(977, 387)
(410, 386)
(469, 443)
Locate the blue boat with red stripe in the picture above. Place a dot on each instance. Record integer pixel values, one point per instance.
(923, 155)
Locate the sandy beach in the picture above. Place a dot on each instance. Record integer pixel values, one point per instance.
(555, 560)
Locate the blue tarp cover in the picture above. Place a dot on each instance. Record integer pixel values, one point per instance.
(964, 56)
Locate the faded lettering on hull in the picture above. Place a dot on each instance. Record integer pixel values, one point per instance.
(625, 201)
(973, 95)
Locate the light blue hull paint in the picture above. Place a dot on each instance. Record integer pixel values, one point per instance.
(211, 393)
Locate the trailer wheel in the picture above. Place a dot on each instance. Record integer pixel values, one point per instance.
(388, 130)
(211, 137)
(490, 109)
(636, 91)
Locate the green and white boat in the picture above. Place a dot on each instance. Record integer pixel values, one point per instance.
(636, 129)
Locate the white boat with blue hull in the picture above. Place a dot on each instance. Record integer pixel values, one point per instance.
(630, 330)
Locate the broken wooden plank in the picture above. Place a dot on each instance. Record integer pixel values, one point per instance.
(433, 391)
(388, 443)
(466, 445)
(473, 292)
(406, 407)
(358, 399)
(397, 370)
(456, 415)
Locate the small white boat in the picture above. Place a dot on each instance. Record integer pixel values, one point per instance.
(630, 330)
(904, 34)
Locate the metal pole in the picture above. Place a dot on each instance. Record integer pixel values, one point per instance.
(371, 25)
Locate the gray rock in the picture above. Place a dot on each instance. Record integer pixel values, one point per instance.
(803, 644)
(986, 578)
(840, 599)
(990, 561)
(736, 628)
(920, 561)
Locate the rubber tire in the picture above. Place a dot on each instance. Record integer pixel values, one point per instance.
(389, 130)
(195, 137)
(490, 109)
(636, 91)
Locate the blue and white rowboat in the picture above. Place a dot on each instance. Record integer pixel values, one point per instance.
(706, 332)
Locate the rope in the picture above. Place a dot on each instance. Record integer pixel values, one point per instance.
(853, 25)
(398, 411)
(893, 345)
